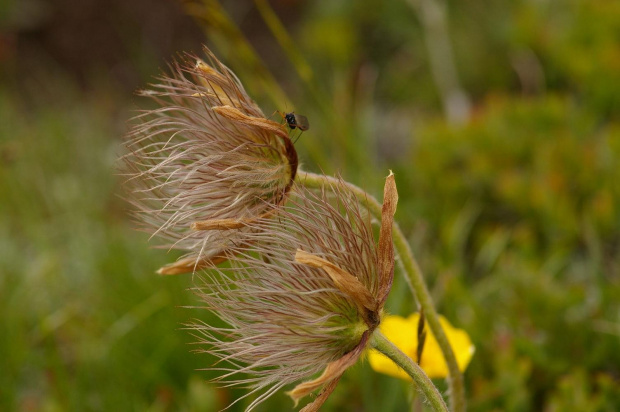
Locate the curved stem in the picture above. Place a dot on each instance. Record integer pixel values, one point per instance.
(414, 278)
(383, 345)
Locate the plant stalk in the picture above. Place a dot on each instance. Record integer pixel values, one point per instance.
(383, 345)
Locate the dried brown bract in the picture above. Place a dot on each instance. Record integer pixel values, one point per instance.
(205, 159)
(302, 298)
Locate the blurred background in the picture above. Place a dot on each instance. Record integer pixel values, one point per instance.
(501, 121)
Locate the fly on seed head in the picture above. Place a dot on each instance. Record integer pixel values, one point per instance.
(296, 121)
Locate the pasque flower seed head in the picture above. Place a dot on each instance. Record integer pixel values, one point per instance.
(206, 157)
(301, 296)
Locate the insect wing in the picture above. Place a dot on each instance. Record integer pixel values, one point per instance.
(302, 122)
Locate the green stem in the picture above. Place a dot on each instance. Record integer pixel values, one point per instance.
(380, 343)
(414, 278)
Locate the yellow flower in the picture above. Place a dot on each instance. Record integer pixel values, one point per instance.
(403, 333)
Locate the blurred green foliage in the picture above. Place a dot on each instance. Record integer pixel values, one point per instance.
(514, 215)
(521, 228)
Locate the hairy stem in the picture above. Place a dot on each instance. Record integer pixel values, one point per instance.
(414, 278)
(383, 345)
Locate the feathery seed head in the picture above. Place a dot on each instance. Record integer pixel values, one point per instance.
(205, 156)
(301, 296)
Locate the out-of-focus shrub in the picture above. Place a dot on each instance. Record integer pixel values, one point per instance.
(543, 169)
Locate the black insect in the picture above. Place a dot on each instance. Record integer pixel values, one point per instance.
(297, 121)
